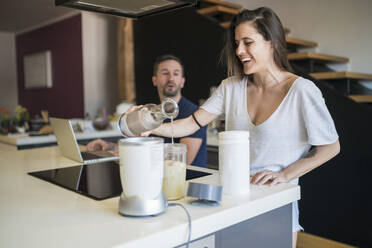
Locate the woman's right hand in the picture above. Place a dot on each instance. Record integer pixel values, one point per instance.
(148, 133)
(145, 134)
(131, 109)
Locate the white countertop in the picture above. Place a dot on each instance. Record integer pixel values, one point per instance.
(7, 148)
(35, 213)
(25, 139)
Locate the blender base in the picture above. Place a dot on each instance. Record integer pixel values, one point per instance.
(136, 206)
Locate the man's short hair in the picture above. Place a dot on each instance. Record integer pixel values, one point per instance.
(166, 57)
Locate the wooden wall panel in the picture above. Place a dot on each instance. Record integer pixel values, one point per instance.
(126, 83)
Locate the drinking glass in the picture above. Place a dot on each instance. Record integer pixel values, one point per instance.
(174, 179)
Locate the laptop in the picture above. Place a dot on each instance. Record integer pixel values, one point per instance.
(68, 145)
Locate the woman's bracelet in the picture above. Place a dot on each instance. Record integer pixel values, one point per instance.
(196, 121)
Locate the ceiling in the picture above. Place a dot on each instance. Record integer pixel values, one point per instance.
(19, 15)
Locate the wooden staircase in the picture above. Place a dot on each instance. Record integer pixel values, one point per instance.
(294, 43)
(306, 240)
(317, 57)
(219, 10)
(209, 3)
(341, 75)
(222, 12)
(349, 78)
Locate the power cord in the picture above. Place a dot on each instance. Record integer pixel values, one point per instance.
(188, 217)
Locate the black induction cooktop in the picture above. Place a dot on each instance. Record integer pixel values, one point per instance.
(97, 181)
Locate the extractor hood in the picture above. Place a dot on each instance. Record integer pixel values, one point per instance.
(127, 8)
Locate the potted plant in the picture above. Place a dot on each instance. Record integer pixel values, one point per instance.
(5, 120)
(21, 119)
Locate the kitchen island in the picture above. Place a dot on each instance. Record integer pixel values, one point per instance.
(7, 148)
(35, 213)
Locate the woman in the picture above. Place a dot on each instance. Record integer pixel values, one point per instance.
(285, 114)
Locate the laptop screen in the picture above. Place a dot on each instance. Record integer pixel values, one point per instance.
(66, 139)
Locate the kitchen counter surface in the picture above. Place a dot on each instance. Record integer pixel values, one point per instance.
(35, 213)
(7, 148)
(25, 139)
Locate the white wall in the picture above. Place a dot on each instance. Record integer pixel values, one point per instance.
(99, 62)
(8, 75)
(340, 27)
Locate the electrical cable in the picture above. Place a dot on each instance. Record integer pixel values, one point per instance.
(188, 217)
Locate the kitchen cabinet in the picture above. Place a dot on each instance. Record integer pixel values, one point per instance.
(206, 242)
(212, 157)
(212, 150)
(270, 229)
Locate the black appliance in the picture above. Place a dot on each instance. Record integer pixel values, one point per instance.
(127, 8)
(97, 181)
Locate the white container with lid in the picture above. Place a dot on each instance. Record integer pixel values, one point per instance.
(233, 155)
(141, 166)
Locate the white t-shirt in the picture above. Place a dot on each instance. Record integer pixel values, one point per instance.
(301, 120)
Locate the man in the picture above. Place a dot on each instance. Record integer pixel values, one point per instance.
(168, 78)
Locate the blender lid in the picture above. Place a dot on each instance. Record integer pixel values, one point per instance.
(141, 141)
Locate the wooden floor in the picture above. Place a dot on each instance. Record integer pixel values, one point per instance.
(306, 240)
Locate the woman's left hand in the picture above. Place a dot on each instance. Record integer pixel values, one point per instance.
(269, 177)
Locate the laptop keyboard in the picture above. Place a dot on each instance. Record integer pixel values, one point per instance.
(89, 156)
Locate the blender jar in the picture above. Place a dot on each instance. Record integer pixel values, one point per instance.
(141, 166)
(174, 179)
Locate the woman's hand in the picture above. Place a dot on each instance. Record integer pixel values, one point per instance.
(269, 177)
(131, 109)
(145, 134)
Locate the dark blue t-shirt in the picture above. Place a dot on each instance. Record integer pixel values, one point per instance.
(186, 108)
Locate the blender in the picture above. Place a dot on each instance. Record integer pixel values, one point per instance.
(141, 175)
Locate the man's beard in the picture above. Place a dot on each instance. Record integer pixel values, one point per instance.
(171, 93)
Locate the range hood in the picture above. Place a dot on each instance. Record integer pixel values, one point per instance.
(127, 8)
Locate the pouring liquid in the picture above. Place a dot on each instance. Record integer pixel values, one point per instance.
(172, 127)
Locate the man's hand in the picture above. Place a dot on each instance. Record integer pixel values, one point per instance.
(99, 145)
